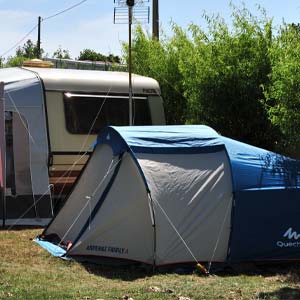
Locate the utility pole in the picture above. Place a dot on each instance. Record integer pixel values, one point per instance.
(155, 19)
(124, 12)
(39, 39)
(130, 4)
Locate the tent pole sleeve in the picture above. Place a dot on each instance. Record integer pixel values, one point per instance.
(99, 203)
(154, 229)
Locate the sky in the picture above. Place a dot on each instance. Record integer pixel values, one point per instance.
(90, 25)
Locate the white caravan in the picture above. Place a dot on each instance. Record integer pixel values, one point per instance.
(52, 117)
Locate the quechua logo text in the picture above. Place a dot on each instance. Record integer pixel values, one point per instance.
(291, 239)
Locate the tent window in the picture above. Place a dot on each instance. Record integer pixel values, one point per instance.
(81, 111)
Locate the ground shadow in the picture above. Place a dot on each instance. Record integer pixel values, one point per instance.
(127, 271)
(130, 272)
(289, 269)
(122, 272)
(285, 293)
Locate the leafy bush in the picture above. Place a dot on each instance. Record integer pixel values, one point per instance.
(89, 54)
(160, 61)
(214, 77)
(283, 92)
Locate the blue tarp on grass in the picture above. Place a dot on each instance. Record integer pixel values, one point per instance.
(51, 248)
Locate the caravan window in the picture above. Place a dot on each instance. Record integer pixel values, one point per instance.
(82, 110)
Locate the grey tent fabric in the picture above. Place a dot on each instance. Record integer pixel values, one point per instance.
(27, 198)
(24, 94)
(125, 210)
(195, 192)
(148, 207)
(85, 195)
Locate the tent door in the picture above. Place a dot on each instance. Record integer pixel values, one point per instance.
(19, 194)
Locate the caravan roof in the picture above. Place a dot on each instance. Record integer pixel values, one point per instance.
(94, 81)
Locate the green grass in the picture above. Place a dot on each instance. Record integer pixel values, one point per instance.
(29, 272)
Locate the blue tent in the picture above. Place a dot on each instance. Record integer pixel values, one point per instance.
(172, 194)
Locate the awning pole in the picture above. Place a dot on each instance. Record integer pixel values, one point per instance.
(2, 154)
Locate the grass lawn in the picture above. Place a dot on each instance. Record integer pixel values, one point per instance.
(29, 272)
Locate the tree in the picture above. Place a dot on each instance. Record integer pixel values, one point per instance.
(27, 51)
(223, 71)
(15, 61)
(114, 58)
(88, 54)
(159, 59)
(61, 54)
(214, 77)
(283, 93)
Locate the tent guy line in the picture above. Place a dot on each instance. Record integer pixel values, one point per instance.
(89, 198)
(67, 172)
(219, 236)
(84, 143)
(177, 232)
(39, 95)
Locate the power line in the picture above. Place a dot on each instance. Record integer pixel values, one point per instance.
(44, 19)
(19, 42)
(64, 10)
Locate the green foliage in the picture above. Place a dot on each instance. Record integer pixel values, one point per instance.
(27, 51)
(160, 61)
(88, 54)
(214, 77)
(223, 72)
(283, 92)
(61, 54)
(15, 61)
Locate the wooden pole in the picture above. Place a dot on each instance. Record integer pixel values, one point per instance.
(155, 20)
(39, 39)
(130, 66)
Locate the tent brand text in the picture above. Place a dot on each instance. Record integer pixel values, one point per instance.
(96, 248)
(291, 235)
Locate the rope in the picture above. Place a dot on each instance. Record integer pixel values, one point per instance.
(37, 201)
(34, 143)
(219, 235)
(73, 165)
(175, 229)
(89, 198)
(108, 171)
(84, 143)
(28, 209)
(21, 118)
